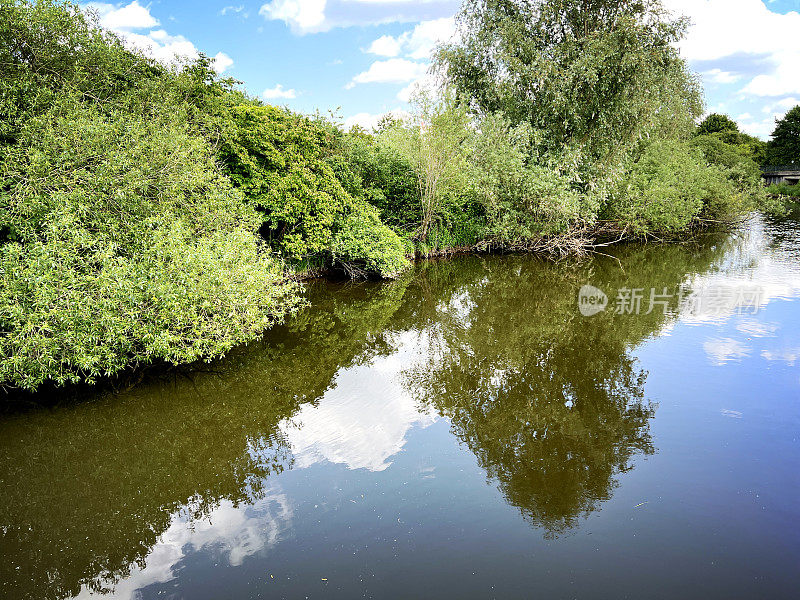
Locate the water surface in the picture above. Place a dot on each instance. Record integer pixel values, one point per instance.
(463, 432)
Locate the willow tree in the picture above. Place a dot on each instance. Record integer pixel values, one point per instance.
(597, 77)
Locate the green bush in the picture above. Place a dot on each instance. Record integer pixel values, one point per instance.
(362, 244)
(784, 189)
(125, 246)
(725, 130)
(277, 159)
(669, 188)
(743, 173)
(121, 242)
(369, 169)
(523, 200)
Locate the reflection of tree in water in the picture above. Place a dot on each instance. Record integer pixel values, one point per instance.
(89, 487)
(551, 403)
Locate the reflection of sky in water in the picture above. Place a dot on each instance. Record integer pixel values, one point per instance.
(738, 334)
(231, 534)
(365, 418)
(359, 426)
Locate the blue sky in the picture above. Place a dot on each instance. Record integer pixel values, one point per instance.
(361, 57)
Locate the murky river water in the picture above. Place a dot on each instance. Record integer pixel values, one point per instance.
(464, 432)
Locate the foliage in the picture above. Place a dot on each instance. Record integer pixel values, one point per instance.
(724, 129)
(436, 142)
(277, 159)
(122, 243)
(523, 199)
(135, 198)
(669, 187)
(717, 123)
(784, 147)
(734, 160)
(784, 189)
(606, 96)
(596, 80)
(370, 169)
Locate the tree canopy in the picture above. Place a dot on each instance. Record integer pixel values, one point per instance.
(598, 76)
(784, 147)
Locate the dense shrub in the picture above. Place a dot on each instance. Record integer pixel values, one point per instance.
(122, 243)
(524, 200)
(735, 162)
(370, 169)
(669, 187)
(277, 159)
(128, 247)
(784, 189)
(725, 130)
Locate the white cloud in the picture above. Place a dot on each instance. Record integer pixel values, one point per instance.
(427, 81)
(393, 70)
(132, 16)
(231, 533)
(423, 39)
(237, 10)
(781, 106)
(315, 16)
(221, 62)
(386, 45)
(760, 129)
(729, 28)
(160, 45)
(417, 43)
(722, 77)
(302, 16)
(278, 93)
(156, 43)
(785, 79)
(756, 328)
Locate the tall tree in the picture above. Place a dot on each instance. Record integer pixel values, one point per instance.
(597, 75)
(784, 148)
(716, 123)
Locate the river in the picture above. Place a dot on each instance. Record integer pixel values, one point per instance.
(483, 427)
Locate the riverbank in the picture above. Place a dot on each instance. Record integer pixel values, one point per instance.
(183, 256)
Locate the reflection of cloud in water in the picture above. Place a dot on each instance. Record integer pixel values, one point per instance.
(754, 328)
(363, 421)
(787, 355)
(752, 263)
(229, 533)
(721, 351)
